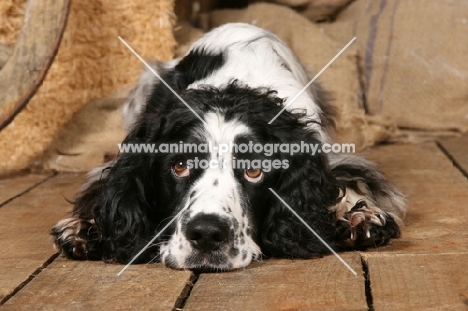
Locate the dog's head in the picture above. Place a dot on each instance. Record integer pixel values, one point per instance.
(227, 214)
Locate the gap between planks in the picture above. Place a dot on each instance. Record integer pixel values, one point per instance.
(24, 186)
(29, 279)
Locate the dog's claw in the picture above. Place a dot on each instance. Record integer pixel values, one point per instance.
(359, 221)
(382, 219)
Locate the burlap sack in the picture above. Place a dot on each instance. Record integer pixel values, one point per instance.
(315, 49)
(324, 10)
(413, 60)
(89, 139)
(185, 35)
(316, 10)
(91, 63)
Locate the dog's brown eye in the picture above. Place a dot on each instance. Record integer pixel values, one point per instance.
(180, 168)
(253, 174)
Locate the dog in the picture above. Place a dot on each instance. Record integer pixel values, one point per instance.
(231, 88)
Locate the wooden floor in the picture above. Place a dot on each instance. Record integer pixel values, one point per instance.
(427, 269)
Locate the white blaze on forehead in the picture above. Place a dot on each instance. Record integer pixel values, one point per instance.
(220, 183)
(218, 131)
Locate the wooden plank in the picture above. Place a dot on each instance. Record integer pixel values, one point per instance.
(26, 221)
(14, 186)
(316, 284)
(82, 285)
(457, 149)
(426, 268)
(419, 282)
(437, 194)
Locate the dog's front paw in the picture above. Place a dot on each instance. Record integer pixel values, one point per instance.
(365, 226)
(76, 238)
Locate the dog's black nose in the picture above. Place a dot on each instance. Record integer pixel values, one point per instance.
(207, 232)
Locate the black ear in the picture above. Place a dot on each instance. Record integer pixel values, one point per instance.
(122, 210)
(309, 189)
(136, 197)
(125, 203)
(111, 215)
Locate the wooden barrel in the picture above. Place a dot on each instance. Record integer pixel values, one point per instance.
(23, 71)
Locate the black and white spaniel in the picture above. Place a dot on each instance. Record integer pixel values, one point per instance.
(235, 79)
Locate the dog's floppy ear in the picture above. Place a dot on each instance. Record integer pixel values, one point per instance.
(308, 188)
(121, 212)
(125, 203)
(132, 200)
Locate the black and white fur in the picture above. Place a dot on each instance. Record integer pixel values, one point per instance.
(237, 78)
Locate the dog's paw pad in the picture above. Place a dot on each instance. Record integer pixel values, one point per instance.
(361, 218)
(362, 226)
(71, 236)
